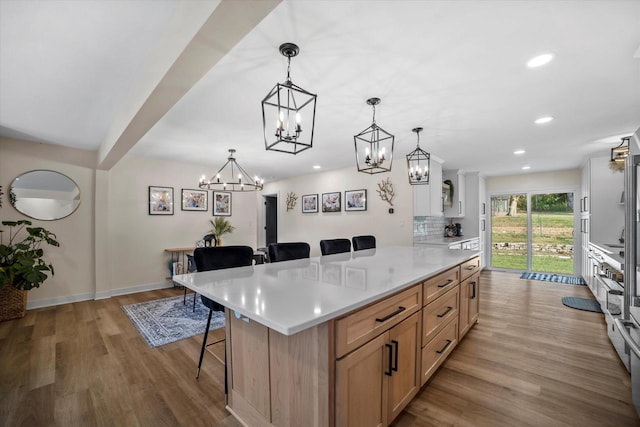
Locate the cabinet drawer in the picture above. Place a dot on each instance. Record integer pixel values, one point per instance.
(437, 313)
(437, 350)
(469, 267)
(357, 328)
(440, 284)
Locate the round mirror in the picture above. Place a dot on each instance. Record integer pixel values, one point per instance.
(45, 195)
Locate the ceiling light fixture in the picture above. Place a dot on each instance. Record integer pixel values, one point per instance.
(418, 163)
(540, 60)
(317, 166)
(282, 107)
(234, 178)
(519, 152)
(374, 146)
(619, 154)
(543, 120)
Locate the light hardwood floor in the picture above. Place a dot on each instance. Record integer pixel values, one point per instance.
(529, 361)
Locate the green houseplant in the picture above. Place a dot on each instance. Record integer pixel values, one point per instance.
(22, 266)
(220, 226)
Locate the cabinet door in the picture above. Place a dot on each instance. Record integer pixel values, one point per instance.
(435, 183)
(458, 205)
(361, 384)
(404, 381)
(469, 303)
(421, 199)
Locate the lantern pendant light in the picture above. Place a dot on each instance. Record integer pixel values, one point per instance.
(418, 163)
(374, 146)
(286, 127)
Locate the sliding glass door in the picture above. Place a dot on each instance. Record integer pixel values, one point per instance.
(533, 232)
(509, 225)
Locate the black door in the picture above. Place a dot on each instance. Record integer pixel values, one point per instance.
(271, 219)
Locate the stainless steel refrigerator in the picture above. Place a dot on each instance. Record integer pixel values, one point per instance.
(627, 326)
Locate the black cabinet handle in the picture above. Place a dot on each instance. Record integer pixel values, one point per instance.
(445, 312)
(389, 316)
(471, 267)
(395, 362)
(390, 348)
(446, 284)
(615, 292)
(444, 348)
(473, 290)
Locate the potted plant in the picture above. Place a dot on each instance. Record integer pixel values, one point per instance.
(22, 266)
(220, 226)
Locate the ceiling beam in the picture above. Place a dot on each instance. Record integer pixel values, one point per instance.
(228, 23)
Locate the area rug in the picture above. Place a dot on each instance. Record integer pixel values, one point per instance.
(166, 320)
(585, 304)
(556, 278)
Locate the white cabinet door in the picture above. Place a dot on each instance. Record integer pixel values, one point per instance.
(458, 205)
(427, 199)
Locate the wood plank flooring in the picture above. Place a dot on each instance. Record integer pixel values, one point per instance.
(530, 361)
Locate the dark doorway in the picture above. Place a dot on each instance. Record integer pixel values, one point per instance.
(271, 219)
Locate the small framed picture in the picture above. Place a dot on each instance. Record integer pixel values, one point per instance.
(194, 200)
(160, 200)
(331, 202)
(221, 203)
(355, 200)
(310, 203)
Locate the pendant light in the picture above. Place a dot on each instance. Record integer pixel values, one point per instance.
(231, 177)
(374, 146)
(418, 163)
(287, 128)
(618, 154)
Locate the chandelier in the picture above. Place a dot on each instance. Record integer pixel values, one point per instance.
(374, 146)
(282, 112)
(233, 178)
(619, 154)
(418, 163)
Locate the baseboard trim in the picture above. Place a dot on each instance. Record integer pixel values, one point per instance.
(50, 302)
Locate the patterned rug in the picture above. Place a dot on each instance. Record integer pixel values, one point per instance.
(166, 320)
(556, 278)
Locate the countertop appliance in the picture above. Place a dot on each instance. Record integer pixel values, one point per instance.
(628, 325)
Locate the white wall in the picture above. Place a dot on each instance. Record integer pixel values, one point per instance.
(389, 229)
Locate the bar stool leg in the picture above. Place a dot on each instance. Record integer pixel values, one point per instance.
(204, 343)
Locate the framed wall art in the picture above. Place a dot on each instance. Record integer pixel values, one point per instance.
(160, 200)
(355, 200)
(310, 203)
(221, 203)
(331, 202)
(194, 200)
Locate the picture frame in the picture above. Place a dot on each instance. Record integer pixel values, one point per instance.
(194, 200)
(332, 202)
(310, 203)
(160, 200)
(355, 200)
(221, 203)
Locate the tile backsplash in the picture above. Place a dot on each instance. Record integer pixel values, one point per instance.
(429, 226)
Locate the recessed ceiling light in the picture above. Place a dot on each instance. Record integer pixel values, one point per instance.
(518, 152)
(317, 166)
(525, 167)
(540, 60)
(543, 120)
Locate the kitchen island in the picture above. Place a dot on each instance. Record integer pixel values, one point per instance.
(302, 334)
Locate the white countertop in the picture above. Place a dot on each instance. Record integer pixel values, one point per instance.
(292, 296)
(441, 240)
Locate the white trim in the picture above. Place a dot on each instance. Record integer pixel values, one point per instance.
(50, 302)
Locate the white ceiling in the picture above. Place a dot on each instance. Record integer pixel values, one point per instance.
(119, 77)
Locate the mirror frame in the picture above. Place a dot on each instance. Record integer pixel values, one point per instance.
(12, 195)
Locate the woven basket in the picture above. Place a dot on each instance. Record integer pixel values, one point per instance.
(13, 303)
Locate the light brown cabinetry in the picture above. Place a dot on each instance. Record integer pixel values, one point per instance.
(469, 303)
(377, 380)
(439, 320)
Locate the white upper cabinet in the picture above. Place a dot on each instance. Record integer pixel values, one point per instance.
(427, 199)
(457, 206)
